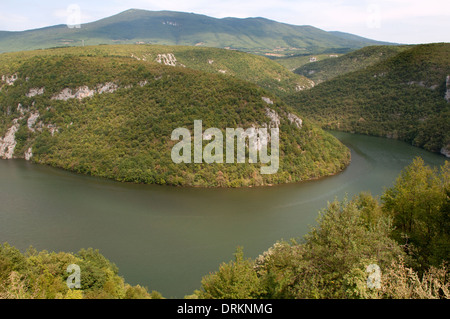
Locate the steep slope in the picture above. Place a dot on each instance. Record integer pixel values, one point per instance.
(257, 35)
(405, 97)
(327, 69)
(112, 116)
(296, 61)
(256, 69)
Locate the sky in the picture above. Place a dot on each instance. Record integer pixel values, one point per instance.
(399, 21)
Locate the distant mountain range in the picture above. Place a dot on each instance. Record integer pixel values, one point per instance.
(255, 35)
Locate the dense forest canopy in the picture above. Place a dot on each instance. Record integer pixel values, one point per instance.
(105, 113)
(403, 97)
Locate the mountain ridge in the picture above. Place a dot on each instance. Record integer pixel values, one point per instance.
(255, 34)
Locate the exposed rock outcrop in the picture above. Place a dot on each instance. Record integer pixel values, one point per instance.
(267, 100)
(8, 143)
(22, 110)
(80, 93)
(274, 118)
(446, 150)
(167, 59)
(35, 91)
(10, 79)
(28, 154)
(294, 119)
(108, 87)
(84, 92)
(32, 120)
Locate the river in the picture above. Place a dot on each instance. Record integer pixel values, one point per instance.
(167, 238)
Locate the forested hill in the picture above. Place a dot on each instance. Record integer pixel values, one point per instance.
(249, 67)
(404, 97)
(111, 114)
(329, 68)
(256, 35)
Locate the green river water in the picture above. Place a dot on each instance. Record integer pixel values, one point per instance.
(167, 238)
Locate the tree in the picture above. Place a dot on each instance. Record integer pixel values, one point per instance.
(418, 204)
(234, 280)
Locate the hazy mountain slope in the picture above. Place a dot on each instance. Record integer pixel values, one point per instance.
(327, 69)
(258, 35)
(405, 97)
(296, 61)
(112, 116)
(353, 37)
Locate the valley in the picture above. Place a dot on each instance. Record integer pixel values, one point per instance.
(401, 97)
(110, 111)
(168, 154)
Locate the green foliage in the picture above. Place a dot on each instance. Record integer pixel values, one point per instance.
(126, 135)
(235, 280)
(325, 69)
(401, 97)
(403, 282)
(253, 68)
(42, 275)
(333, 258)
(139, 292)
(321, 266)
(419, 204)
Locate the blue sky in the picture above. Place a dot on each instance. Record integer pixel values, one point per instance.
(402, 21)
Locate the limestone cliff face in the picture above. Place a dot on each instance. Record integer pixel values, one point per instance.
(446, 150)
(34, 124)
(168, 59)
(9, 79)
(275, 118)
(8, 142)
(35, 91)
(28, 154)
(295, 119)
(85, 92)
